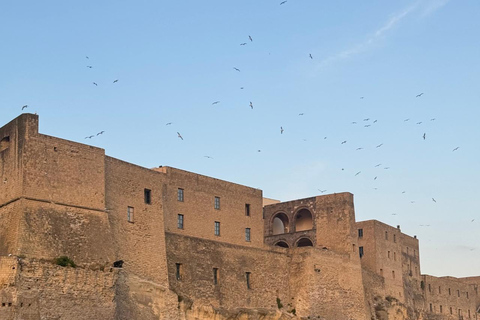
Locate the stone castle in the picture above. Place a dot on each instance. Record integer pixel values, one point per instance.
(165, 243)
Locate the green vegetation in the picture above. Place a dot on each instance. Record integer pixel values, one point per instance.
(279, 303)
(65, 261)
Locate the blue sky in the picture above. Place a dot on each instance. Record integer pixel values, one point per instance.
(174, 59)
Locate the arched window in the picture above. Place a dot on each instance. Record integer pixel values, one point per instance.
(4, 143)
(304, 242)
(303, 220)
(282, 244)
(280, 224)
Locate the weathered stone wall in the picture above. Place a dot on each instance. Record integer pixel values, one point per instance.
(43, 290)
(10, 221)
(143, 290)
(199, 211)
(449, 298)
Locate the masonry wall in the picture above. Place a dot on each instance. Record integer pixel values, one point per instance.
(142, 289)
(43, 290)
(10, 222)
(200, 214)
(449, 297)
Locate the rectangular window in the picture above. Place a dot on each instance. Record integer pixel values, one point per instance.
(360, 251)
(360, 233)
(441, 309)
(178, 271)
(217, 203)
(467, 295)
(247, 209)
(429, 288)
(431, 308)
(247, 234)
(394, 256)
(451, 310)
(180, 221)
(147, 193)
(247, 276)
(394, 238)
(388, 255)
(393, 274)
(458, 293)
(449, 291)
(217, 228)
(215, 276)
(130, 214)
(180, 195)
(386, 235)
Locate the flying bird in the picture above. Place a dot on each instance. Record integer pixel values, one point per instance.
(236, 69)
(381, 144)
(311, 57)
(25, 106)
(359, 148)
(101, 132)
(375, 121)
(87, 57)
(343, 142)
(115, 81)
(366, 119)
(354, 122)
(283, 2)
(259, 150)
(179, 135)
(455, 149)
(300, 114)
(378, 165)
(362, 97)
(424, 135)
(356, 174)
(322, 191)
(419, 122)
(403, 191)
(241, 88)
(243, 44)
(375, 178)
(89, 137)
(216, 102)
(419, 95)
(281, 130)
(251, 104)
(386, 168)
(168, 124)
(89, 67)
(208, 157)
(367, 125)
(433, 199)
(249, 37)
(406, 120)
(95, 84)
(433, 119)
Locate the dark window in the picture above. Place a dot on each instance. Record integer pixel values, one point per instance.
(180, 194)
(217, 228)
(215, 276)
(393, 274)
(451, 310)
(439, 290)
(360, 251)
(130, 212)
(458, 293)
(247, 234)
(247, 275)
(394, 238)
(449, 291)
(441, 309)
(429, 288)
(217, 203)
(431, 307)
(467, 295)
(148, 196)
(360, 233)
(386, 235)
(180, 221)
(178, 271)
(247, 209)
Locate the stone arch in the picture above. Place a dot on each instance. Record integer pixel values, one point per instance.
(280, 223)
(4, 143)
(303, 220)
(282, 244)
(304, 242)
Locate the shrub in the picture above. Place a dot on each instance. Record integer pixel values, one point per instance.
(279, 303)
(65, 261)
(293, 311)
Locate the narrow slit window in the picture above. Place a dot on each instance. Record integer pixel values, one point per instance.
(147, 196)
(178, 271)
(247, 209)
(217, 203)
(247, 276)
(130, 214)
(247, 234)
(180, 194)
(360, 233)
(180, 221)
(215, 276)
(360, 251)
(217, 228)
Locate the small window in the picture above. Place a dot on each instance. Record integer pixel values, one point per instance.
(431, 307)
(148, 196)
(215, 276)
(247, 276)
(458, 293)
(441, 309)
(217, 203)
(386, 235)
(395, 238)
(449, 291)
(247, 234)
(217, 228)
(130, 213)
(467, 295)
(381, 272)
(394, 256)
(247, 209)
(180, 194)
(439, 290)
(4, 143)
(180, 221)
(360, 233)
(388, 255)
(360, 251)
(429, 288)
(393, 274)
(178, 271)
(451, 310)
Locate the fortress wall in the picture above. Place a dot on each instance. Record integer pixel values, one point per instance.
(8, 270)
(199, 211)
(326, 284)
(46, 291)
(10, 222)
(269, 274)
(454, 296)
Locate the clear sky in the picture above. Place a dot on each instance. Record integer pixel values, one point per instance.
(369, 61)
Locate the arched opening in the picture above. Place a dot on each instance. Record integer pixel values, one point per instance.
(303, 220)
(4, 143)
(282, 244)
(280, 223)
(304, 242)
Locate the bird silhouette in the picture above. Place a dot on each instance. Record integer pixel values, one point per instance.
(208, 157)
(419, 95)
(281, 130)
(115, 81)
(322, 191)
(375, 178)
(375, 121)
(301, 114)
(354, 122)
(251, 40)
(179, 135)
(378, 165)
(89, 67)
(419, 122)
(367, 125)
(311, 57)
(433, 119)
(362, 97)
(381, 144)
(236, 69)
(424, 135)
(283, 2)
(456, 149)
(251, 104)
(25, 106)
(433, 199)
(87, 57)
(216, 102)
(406, 120)
(343, 142)
(95, 84)
(243, 44)
(89, 137)
(259, 150)
(356, 174)
(359, 148)
(366, 119)
(386, 168)
(168, 124)
(101, 132)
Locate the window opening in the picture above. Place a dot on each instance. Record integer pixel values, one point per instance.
(247, 234)
(180, 221)
(217, 203)
(148, 196)
(217, 228)
(130, 214)
(247, 209)
(180, 194)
